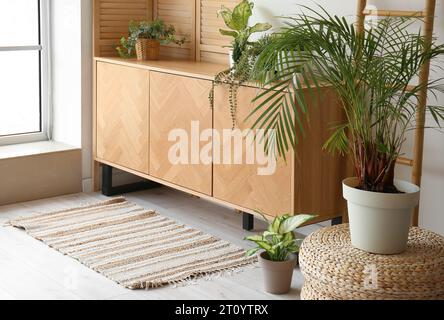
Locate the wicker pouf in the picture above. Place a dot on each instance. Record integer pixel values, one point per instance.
(335, 270)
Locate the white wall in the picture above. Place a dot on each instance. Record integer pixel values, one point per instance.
(272, 11)
(66, 75)
(431, 216)
(71, 44)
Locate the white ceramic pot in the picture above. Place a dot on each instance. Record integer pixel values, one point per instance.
(380, 222)
(230, 56)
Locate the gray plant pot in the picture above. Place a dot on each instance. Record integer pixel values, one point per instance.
(277, 275)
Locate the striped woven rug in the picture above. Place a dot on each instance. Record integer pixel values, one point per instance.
(135, 247)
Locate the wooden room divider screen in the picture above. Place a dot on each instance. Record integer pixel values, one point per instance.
(195, 18)
(111, 19)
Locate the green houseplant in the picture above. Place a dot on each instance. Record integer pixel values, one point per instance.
(373, 74)
(279, 246)
(145, 38)
(243, 52)
(237, 21)
(240, 73)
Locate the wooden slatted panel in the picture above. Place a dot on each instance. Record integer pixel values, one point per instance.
(181, 14)
(111, 19)
(212, 46)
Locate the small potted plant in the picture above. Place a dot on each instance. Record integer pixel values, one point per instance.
(375, 75)
(145, 39)
(237, 21)
(279, 245)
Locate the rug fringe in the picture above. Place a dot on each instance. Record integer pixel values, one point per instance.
(195, 279)
(82, 205)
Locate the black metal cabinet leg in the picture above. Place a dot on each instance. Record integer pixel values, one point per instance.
(107, 180)
(247, 221)
(336, 221)
(109, 190)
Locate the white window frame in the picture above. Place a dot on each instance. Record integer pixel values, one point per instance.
(45, 81)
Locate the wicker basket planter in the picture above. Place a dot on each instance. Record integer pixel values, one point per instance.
(147, 49)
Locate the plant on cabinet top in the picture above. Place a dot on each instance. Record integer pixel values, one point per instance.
(153, 30)
(237, 21)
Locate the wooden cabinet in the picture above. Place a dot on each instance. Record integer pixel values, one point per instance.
(176, 104)
(239, 182)
(154, 119)
(122, 116)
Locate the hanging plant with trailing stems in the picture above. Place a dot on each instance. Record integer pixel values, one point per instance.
(244, 50)
(241, 73)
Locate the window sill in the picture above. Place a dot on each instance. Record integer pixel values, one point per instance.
(34, 148)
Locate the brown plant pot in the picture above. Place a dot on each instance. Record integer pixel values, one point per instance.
(147, 49)
(277, 275)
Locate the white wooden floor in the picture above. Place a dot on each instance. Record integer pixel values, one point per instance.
(31, 270)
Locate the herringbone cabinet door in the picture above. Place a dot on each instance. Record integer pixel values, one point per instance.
(176, 102)
(122, 116)
(240, 183)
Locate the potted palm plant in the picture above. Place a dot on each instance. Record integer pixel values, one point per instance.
(237, 21)
(145, 38)
(373, 74)
(279, 247)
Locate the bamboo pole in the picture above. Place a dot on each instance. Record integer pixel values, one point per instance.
(361, 16)
(405, 161)
(394, 13)
(420, 112)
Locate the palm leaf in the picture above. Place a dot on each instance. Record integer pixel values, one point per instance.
(369, 72)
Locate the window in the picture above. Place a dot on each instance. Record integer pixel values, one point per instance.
(24, 70)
